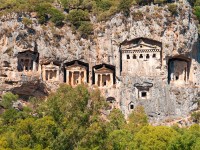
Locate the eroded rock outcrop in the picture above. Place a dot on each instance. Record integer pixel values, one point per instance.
(150, 58)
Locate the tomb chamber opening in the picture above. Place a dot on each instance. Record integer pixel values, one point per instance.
(143, 90)
(179, 70)
(76, 72)
(104, 75)
(27, 61)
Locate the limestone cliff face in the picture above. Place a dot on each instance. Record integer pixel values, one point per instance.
(158, 93)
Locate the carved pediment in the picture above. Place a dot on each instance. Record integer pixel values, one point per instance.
(141, 44)
(51, 66)
(76, 67)
(103, 70)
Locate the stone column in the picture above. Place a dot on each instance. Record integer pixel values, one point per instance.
(72, 80)
(34, 65)
(40, 71)
(29, 65)
(85, 76)
(43, 73)
(57, 74)
(96, 79)
(185, 75)
(101, 80)
(79, 77)
(111, 79)
(24, 68)
(48, 73)
(67, 76)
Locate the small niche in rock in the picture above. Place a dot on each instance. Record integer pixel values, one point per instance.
(31, 31)
(19, 18)
(21, 36)
(57, 37)
(6, 64)
(3, 75)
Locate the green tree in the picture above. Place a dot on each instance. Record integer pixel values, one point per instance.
(8, 99)
(188, 139)
(137, 119)
(116, 120)
(119, 140)
(154, 138)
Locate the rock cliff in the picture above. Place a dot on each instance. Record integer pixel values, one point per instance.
(155, 84)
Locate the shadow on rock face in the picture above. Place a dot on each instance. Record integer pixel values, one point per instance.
(31, 89)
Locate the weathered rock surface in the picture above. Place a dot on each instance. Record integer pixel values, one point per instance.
(178, 35)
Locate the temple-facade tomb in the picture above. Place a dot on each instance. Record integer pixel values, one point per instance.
(141, 56)
(178, 70)
(104, 75)
(27, 61)
(76, 72)
(50, 71)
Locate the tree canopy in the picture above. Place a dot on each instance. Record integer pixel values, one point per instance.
(72, 118)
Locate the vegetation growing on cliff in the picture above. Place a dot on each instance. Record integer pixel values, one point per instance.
(73, 118)
(78, 12)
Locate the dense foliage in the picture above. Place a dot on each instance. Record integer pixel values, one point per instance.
(72, 118)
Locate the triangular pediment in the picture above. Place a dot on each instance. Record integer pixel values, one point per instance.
(51, 66)
(141, 44)
(76, 65)
(103, 70)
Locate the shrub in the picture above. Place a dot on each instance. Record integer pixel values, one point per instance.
(56, 16)
(85, 28)
(173, 8)
(46, 11)
(137, 16)
(8, 99)
(197, 12)
(42, 10)
(197, 3)
(10, 116)
(77, 16)
(70, 3)
(124, 6)
(104, 4)
(196, 117)
(27, 21)
(159, 1)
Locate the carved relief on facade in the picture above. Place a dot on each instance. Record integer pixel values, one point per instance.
(178, 71)
(50, 71)
(76, 72)
(104, 75)
(27, 61)
(141, 57)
